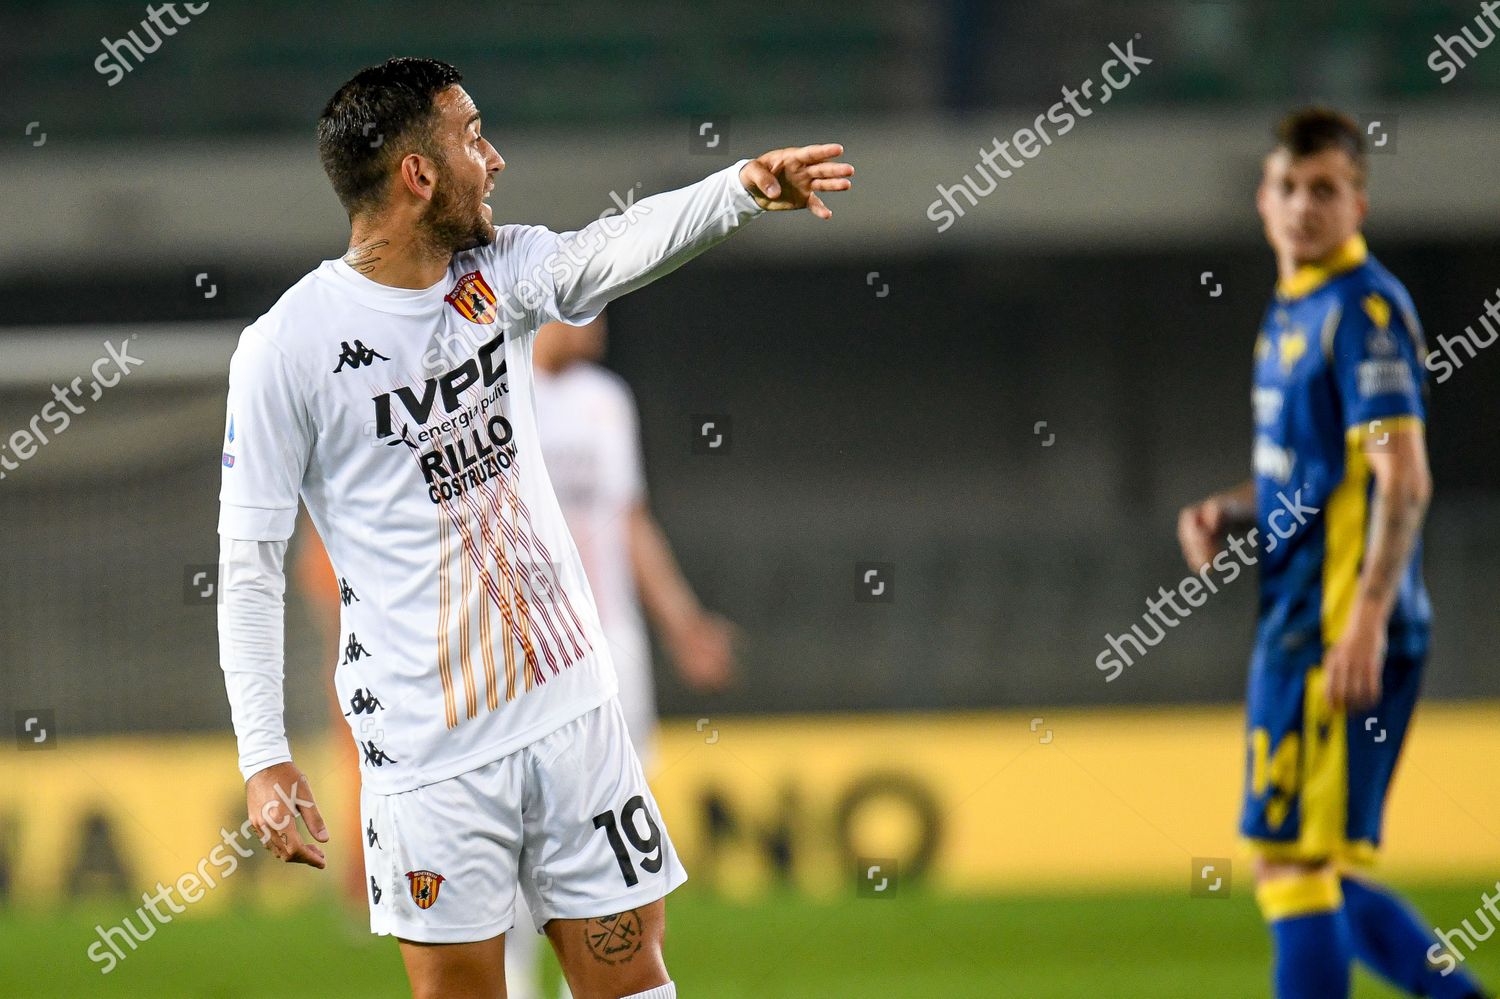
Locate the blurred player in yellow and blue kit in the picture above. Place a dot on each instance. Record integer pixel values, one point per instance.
(1336, 505)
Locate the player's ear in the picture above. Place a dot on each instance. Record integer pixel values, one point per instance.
(1263, 188)
(418, 175)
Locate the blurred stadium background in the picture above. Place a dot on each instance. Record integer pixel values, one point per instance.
(1004, 417)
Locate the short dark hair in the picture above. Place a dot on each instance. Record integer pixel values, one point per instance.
(1309, 131)
(384, 113)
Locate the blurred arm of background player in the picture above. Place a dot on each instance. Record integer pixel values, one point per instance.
(1398, 506)
(1403, 489)
(700, 642)
(1203, 526)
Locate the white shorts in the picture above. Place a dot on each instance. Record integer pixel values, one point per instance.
(569, 818)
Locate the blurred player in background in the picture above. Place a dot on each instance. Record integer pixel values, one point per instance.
(592, 448)
(1335, 509)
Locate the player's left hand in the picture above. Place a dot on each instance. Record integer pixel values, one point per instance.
(1352, 669)
(788, 179)
(703, 649)
(275, 798)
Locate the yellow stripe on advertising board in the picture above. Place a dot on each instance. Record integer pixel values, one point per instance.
(1004, 802)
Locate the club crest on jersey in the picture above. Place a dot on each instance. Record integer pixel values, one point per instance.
(424, 887)
(473, 298)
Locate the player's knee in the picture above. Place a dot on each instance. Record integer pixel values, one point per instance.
(449, 987)
(1291, 889)
(427, 988)
(454, 972)
(1275, 870)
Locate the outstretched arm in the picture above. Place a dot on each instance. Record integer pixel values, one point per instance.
(615, 255)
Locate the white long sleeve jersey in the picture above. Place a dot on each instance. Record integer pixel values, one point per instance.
(405, 420)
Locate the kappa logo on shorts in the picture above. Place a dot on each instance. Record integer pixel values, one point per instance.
(473, 298)
(424, 887)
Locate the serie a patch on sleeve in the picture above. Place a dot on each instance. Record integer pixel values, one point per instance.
(1390, 377)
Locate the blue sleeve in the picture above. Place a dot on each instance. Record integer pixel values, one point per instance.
(1375, 361)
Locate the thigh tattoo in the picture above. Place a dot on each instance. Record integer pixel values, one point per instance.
(614, 939)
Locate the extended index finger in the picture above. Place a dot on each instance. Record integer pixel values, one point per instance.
(820, 152)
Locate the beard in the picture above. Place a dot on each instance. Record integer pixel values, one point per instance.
(455, 222)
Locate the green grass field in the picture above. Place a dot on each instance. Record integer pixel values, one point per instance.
(1122, 946)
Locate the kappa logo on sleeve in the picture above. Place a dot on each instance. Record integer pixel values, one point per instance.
(424, 887)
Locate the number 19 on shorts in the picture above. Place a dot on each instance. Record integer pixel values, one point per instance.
(648, 844)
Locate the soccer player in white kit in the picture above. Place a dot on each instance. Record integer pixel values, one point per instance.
(591, 444)
(391, 390)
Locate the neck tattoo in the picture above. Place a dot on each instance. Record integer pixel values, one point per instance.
(363, 257)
